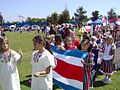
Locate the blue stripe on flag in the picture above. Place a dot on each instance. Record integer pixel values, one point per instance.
(75, 53)
(66, 87)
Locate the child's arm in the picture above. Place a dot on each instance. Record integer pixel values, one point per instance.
(88, 64)
(60, 48)
(21, 56)
(43, 73)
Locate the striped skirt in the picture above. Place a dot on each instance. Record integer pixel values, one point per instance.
(107, 67)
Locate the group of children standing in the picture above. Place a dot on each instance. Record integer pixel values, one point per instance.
(43, 61)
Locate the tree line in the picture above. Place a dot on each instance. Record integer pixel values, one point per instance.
(64, 17)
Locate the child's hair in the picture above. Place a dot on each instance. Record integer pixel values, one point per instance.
(3, 39)
(110, 38)
(40, 39)
(58, 39)
(48, 37)
(87, 42)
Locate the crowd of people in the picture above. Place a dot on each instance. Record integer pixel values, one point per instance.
(97, 44)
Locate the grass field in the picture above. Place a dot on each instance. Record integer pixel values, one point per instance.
(24, 41)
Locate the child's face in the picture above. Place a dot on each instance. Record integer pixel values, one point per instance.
(84, 47)
(69, 42)
(4, 45)
(36, 45)
(109, 40)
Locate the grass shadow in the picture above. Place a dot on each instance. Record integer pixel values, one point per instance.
(28, 76)
(99, 84)
(26, 82)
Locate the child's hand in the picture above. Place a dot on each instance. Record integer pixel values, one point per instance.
(21, 56)
(82, 62)
(39, 74)
(20, 52)
(60, 48)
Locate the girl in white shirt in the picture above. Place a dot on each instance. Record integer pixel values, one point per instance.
(42, 63)
(9, 77)
(107, 64)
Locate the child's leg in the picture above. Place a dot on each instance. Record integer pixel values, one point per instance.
(105, 80)
(109, 78)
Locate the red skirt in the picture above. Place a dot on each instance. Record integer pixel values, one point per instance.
(107, 67)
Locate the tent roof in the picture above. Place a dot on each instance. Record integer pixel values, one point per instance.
(98, 21)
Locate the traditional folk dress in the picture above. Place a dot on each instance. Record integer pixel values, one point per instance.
(107, 67)
(87, 78)
(9, 77)
(40, 61)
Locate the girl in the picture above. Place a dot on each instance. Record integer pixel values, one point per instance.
(68, 44)
(107, 65)
(9, 77)
(42, 64)
(95, 51)
(87, 61)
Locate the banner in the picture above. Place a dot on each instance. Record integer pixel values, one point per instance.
(68, 74)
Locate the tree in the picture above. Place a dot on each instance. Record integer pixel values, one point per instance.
(95, 15)
(48, 19)
(66, 15)
(100, 16)
(80, 14)
(112, 14)
(54, 18)
(72, 19)
(1, 18)
(29, 19)
(60, 19)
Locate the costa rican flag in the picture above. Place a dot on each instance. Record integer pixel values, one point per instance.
(68, 74)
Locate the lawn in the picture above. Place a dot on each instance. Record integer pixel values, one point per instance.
(24, 41)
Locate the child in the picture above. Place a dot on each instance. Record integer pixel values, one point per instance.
(107, 65)
(87, 61)
(68, 44)
(95, 51)
(9, 77)
(42, 63)
(76, 42)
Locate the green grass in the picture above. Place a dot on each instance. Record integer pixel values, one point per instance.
(24, 41)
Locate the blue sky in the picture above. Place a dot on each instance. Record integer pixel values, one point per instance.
(11, 9)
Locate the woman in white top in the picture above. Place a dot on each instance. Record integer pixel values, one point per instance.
(42, 64)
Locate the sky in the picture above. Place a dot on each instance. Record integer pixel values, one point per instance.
(12, 9)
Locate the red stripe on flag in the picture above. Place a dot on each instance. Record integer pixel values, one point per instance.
(69, 71)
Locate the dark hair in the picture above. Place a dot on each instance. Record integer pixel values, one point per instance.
(80, 23)
(85, 42)
(58, 37)
(40, 39)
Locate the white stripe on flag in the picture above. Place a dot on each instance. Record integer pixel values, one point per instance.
(67, 81)
(69, 59)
